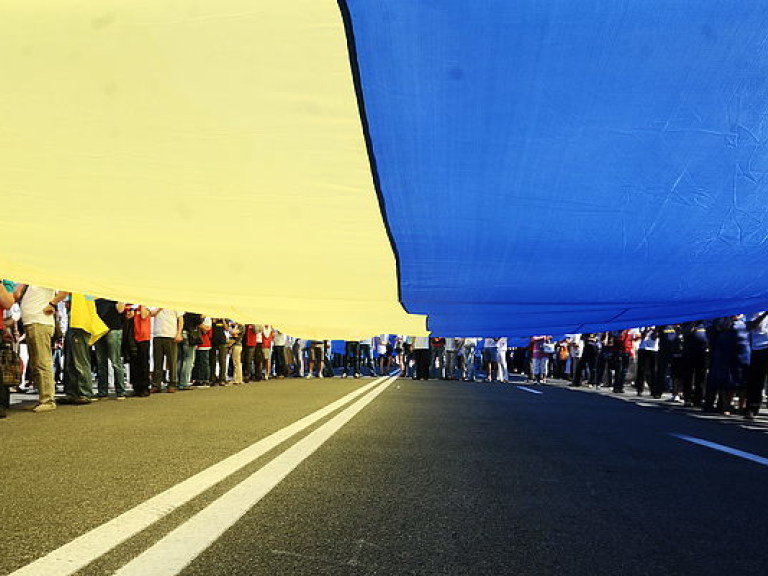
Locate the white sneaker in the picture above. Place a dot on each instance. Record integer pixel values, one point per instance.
(320, 375)
(308, 376)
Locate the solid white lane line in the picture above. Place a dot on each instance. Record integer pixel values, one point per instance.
(722, 448)
(84, 549)
(179, 548)
(531, 390)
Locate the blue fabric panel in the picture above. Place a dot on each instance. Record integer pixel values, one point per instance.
(550, 164)
(338, 346)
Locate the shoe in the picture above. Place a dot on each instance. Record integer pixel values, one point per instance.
(120, 398)
(155, 389)
(344, 375)
(357, 374)
(749, 415)
(308, 376)
(2, 413)
(83, 400)
(171, 389)
(47, 407)
(320, 375)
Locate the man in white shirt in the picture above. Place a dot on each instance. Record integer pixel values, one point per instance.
(501, 345)
(166, 334)
(575, 350)
(38, 314)
(646, 359)
(278, 351)
(421, 356)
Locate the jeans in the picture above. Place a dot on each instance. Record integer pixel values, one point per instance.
(298, 359)
(437, 362)
(248, 352)
(278, 353)
(109, 349)
(366, 355)
(352, 358)
(450, 364)
(187, 362)
(219, 352)
(621, 364)
(468, 370)
(664, 363)
(77, 364)
(758, 371)
(202, 365)
(646, 369)
(693, 375)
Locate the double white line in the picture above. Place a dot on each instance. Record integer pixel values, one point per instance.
(176, 550)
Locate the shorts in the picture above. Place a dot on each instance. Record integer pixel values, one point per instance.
(491, 355)
(316, 354)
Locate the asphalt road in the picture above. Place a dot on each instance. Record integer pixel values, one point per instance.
(407, 477)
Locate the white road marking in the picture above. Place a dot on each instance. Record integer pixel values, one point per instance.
(84, 549)
(723, 448)
(645, 404)
(531, 390)
(179, 548)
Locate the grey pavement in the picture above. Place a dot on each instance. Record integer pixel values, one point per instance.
(432, 477)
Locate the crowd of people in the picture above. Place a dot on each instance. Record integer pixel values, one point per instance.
(719, 365)
(68, 341)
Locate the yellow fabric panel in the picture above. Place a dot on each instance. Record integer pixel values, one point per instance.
(83, 315)
(196, 155)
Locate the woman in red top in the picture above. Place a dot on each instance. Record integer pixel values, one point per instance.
(266, 349)
(141, 320)
(249, 347)
(202, 370)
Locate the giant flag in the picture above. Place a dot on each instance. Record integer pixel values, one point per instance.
(504, 168)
